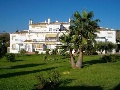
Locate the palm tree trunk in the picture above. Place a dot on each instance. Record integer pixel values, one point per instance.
(72, 61)
(80, 59)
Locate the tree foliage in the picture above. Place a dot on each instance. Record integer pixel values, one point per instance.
(82, 31)
(105, 46)
(4, 43)
(117, 35)
(3, 48)
(5, 37)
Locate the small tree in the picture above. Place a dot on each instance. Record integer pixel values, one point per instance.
(101, 46)
(5, 37)
(105, 46)
(3, 48)
(110, 47)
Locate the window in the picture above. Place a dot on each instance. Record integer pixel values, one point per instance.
(109, 32)
(57, 29)
(37, 45)
(109, 36)
(30, 37)
(54, 29)
(50, 29)
(13, 37)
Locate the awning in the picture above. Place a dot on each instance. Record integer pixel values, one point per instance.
(51, 35)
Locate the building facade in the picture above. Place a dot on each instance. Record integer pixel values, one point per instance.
(38, 37)
(45, 35)
(106, 34)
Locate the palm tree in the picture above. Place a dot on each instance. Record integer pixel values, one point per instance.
(83, 29)
(101, 46)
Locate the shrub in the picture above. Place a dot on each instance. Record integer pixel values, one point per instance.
(110, 58)
(47, 51)
(90, 53)
(62, 52)
(54, 51)
(51, 82)
(10, 57)
(106, 58)
(114, 58)
(94, 53)
(22, 51)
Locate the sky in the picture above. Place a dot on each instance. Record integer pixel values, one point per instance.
(15, 14)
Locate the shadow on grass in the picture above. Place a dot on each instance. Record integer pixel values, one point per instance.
(80, 88)
(18, 60)
(8, 75)
(67, 81)
(74, 88)
(25, 66)
(116, 87)
(91, 62)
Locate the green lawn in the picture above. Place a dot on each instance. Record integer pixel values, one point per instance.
(22, 74)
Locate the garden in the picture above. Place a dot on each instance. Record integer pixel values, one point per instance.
(33, 72)
(85, 69)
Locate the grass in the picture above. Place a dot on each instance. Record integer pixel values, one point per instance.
(96, 75)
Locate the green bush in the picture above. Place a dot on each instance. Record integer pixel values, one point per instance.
(114, 58)
(22, 51)
(110, 58)
(47, 51)
(62, 52)
(54, 51)
(10, 57)
(51, 82)
(106, 58)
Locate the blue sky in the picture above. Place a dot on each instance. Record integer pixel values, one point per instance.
(15, 14)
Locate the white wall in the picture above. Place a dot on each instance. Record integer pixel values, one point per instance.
(109, 35)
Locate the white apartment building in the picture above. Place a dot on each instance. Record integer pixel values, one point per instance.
(44, 35)
(38, 37)
(106, 34)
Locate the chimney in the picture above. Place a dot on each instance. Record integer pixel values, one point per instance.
(45, 21)
(48, 20)
(56, 20)
(30, 21)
